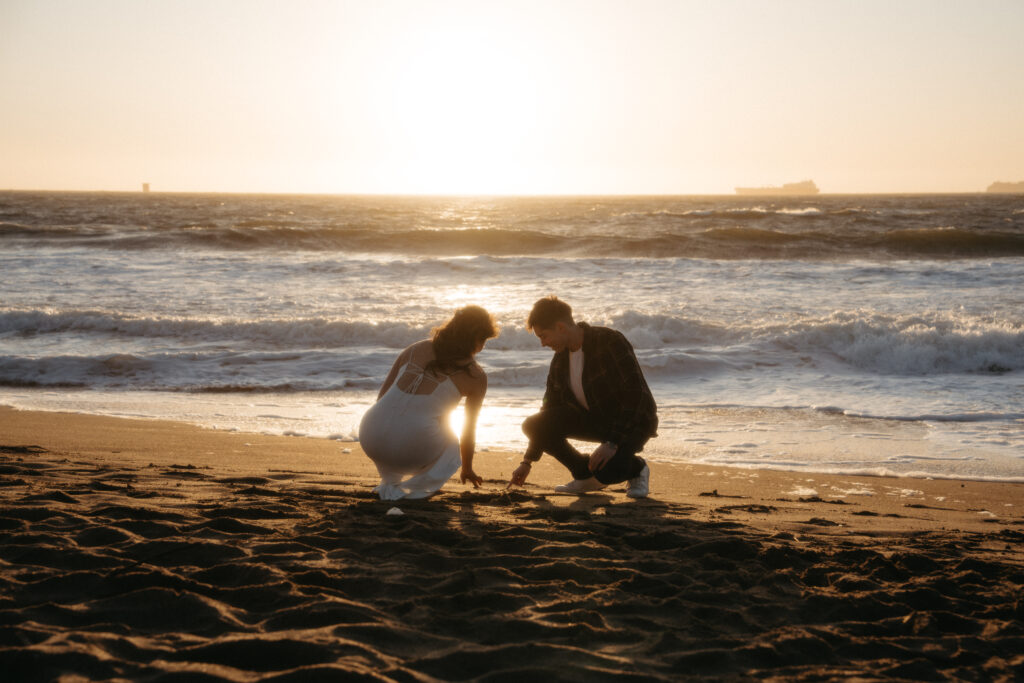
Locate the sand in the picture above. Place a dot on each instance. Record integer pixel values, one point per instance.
(157, 551)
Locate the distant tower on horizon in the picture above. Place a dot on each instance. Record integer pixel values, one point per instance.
(145, 187)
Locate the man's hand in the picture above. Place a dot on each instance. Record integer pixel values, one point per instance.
(601, 455)
(519, 475)
(467, 474)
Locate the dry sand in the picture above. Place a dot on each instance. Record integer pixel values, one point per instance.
(157, 551)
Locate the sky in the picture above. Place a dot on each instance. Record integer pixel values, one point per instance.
(524, 97)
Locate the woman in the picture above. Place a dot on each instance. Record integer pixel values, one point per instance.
(406, 432)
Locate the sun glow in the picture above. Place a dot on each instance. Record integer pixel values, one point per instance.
(457, 419)
(509, 97)
(497, 300)
(456, 107)
(497, 428)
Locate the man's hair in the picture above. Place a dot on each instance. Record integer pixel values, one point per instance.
(548, 311)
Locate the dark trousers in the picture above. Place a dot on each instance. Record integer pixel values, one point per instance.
(550, 429)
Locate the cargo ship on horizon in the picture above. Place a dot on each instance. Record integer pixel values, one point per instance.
(1000, 187)
(803, 187)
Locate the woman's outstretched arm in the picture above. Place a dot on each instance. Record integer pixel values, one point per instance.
(467, 444)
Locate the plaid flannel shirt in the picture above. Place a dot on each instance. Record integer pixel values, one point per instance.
(613, 385)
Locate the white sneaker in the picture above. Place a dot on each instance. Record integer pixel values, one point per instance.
(579, 486)
(640, 485)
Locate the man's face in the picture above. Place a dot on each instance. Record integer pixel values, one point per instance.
(555, 338)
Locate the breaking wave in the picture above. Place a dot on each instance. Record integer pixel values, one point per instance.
(713, 228)
(321, 354)
(727, 241)
(295, 333)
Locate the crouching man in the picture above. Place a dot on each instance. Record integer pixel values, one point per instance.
(596, 392)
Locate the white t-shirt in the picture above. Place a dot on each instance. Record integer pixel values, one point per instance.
(576, 376)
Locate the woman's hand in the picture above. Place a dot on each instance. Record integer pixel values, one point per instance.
(467, 474)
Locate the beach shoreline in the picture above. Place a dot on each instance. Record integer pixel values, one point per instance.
(142, 549)
(769, 333)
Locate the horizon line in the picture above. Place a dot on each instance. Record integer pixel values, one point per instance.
(484, 195)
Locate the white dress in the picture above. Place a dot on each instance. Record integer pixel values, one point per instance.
(406, 434)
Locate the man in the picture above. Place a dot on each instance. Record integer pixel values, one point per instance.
(595, 392)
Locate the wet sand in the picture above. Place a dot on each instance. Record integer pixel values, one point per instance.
(158, 551)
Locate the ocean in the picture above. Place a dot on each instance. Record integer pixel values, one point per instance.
(837, 333)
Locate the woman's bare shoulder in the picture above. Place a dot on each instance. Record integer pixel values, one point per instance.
(471, 379)
(476, 372)
(420, 352)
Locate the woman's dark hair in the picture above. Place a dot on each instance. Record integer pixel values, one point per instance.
(548, 311)
(458, 338)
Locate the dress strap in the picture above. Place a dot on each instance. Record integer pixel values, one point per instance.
(417, 373)
(415, 386)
